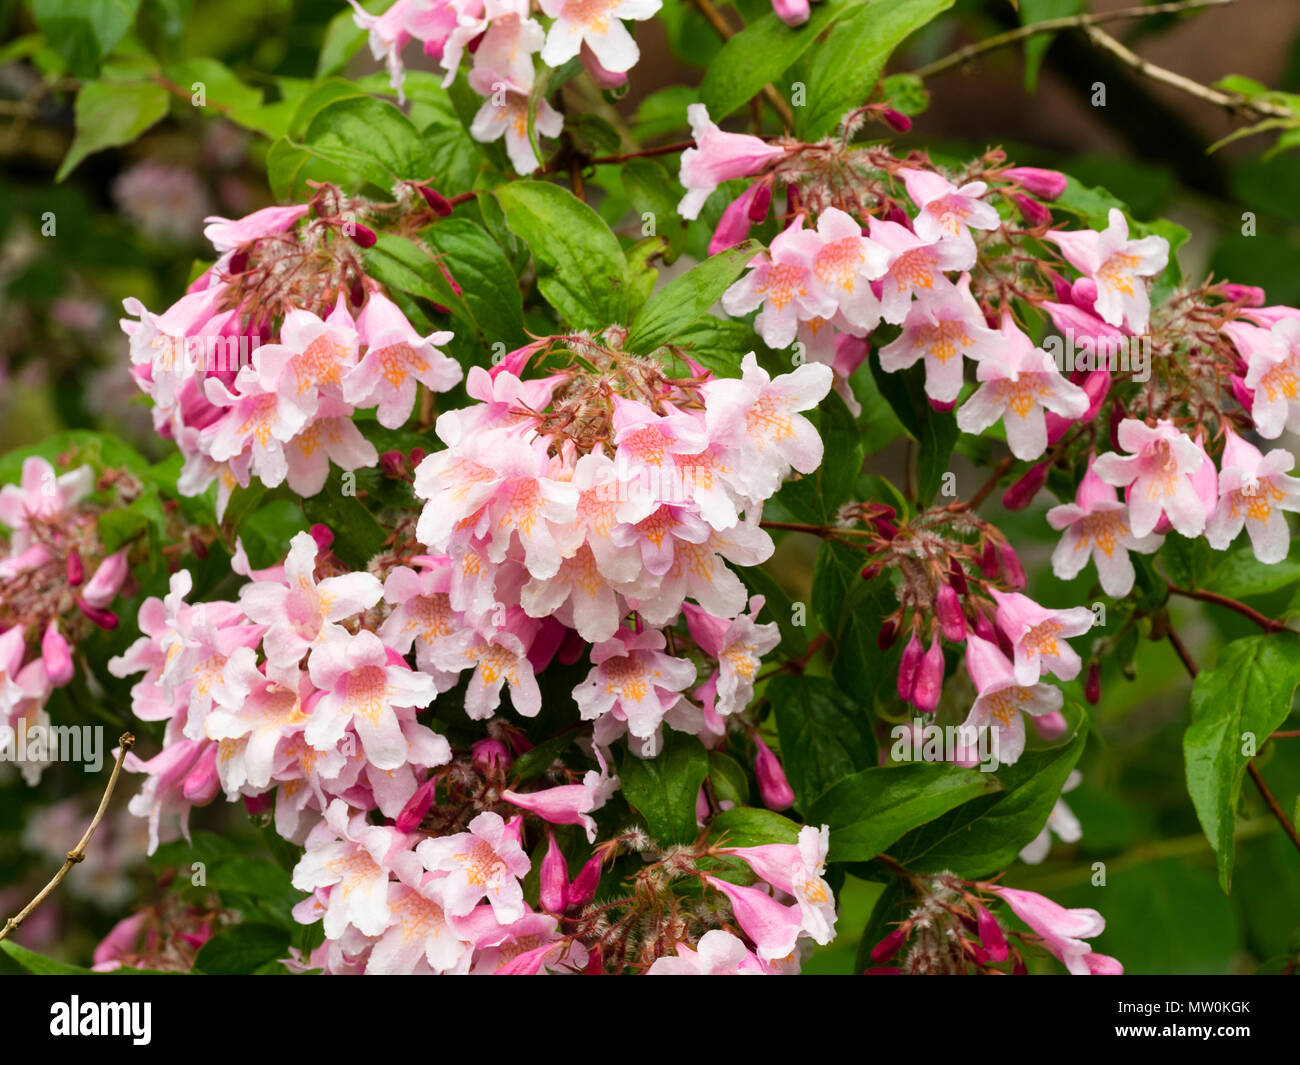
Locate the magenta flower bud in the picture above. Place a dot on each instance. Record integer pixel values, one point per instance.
(957, 576)
(105, 619)
(947, 608)
(1013, 573)
(1243, 395)
(1022, 493)
(942, 406)
(76, 568)
(733, 226)
(908, 665)
(103, 587)
(990, 932)
(870, 571)
(760, 201)
(1092, 684)
(988, 562)
(323, 535)
(410, 815)
(488, 755)
(772, 784)
(362, 236)
(928, 686)
(418, 455)
(888, 947)
(56, 655)
(1248, 295)
(583, 888)
(896, 120)
(1031, 210)
(1051, 726)
(257, 805)
(1049, 184)
(439, 204)
(202, 783)
(393, 463)
(886, 528)
(554, 883)
(985, 629)
(894, 212)
(887, 635)
(792, 12)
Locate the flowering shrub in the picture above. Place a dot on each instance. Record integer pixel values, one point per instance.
(455, 578)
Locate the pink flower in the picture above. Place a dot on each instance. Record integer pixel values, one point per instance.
(1061, 930)
(717, 157)
(498, 657)
(485, 862)
(633, 681)
(755, 419)
(797, 869)
(846, 264)
(948, 212)
(718, 953)
(1049, 184)
(738, 646)
(299, 612)
(1019, 384)
(1037, 635)
(227, 235)
(505, 113)
(916, 265)
(783, 280)
(774, 928)
(1158, 473)
(1096, 526)
(1117, 265)
(1000, 700)
(773, 786)
(396, 358)
(1254, 490)
(943, 324)
(362, 690)
(792, 12)
(1272, 374)
(596, 24)
(40, 496)
(56, 654)
(422, 936)
(109, 576)
(568, 804)
(422, 615)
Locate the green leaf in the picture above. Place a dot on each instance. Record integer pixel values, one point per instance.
(824, 738)
(728, 778)
(861, 668)
(40, 965)
(110, 113)
(239, 950)
(651, 189)
(985, 835)
(687, 298)
(846, 66)
(747, 827)
(1249, 691)
(663, 790)
(935, 431)
(343, 39)
(761, 53)
(874, 808)
(84, 31)
(371, 138)
(358, 537)
(778, 607)
(580, 265)
(266, 532)
(488, 285)
(1238, 573)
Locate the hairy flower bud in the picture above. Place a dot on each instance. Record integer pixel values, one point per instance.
(553, 886)
(772, 783)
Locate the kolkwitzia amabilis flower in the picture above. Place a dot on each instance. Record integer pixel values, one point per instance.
(1038, 636)
(717, 157)
(485, 862)
(797, 869)
(1158, 474)
(916, 265)
(1017, 386)
(1096, 526)
(1272, 373)
(738, 646)
(846, 264)
(1062, 931)
(598, 25)
(1118, 265)
(948, 212)
(1000, 700)
(1061, 822)
(943, 325)
(505, 114)
(1254, 491)
(568, 804)
(718, 953)
(632, 684)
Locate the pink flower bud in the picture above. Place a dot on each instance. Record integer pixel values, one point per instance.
(772, 784)
(894, 212)
(56, 655)
(888, 947)
(947, 608)
(929, 679)
(1022, 493)
(1013, 573)
(257, 805)
(489, 755)
(410, 815)
(908, 665)
(990, 932)
(733, 226)
(362, 236)
(888, 634)
(1242, 394)
(984, 628)
(988, 562)
(895, 120)
(1051, 726)
(109, 576)
(323, 536)
(1033, 212)
(76, 568)
(1247, 295)
(583, 888)
(760, 202)
(554, 883)
(792, 12)
(1049, 184)
(202, 783)
(393, 463)
(418, 455)
(437, 203)
(105, 619)
(957, 576)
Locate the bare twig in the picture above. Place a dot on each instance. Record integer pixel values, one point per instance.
(78, 853)
(1265, 623)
